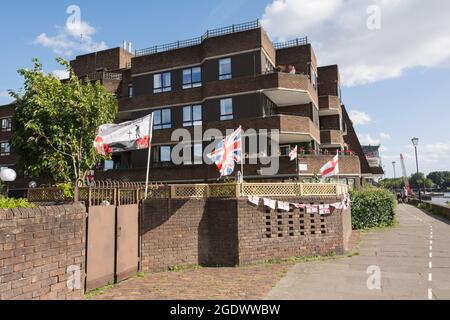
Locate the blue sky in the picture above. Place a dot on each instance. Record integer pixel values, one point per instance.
(396, 78)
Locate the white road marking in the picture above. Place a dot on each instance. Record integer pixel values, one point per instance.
(431, 248)
(430, 277)
(430, 294)
(431, 254)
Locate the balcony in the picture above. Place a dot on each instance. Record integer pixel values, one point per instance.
(283, 89)
(331, 138)
(293, 129)
(286, 89)
(329, 105)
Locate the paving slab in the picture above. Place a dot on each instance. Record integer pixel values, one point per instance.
(413, 259)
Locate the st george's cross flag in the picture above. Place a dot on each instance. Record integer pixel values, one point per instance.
(227, 153)
(131, 135)
(331, 168)
(294, 153)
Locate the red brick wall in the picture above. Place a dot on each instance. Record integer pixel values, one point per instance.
(231, 232)
(277, 235)
(36, 248)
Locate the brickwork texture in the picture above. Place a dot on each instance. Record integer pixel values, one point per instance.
(40, 249)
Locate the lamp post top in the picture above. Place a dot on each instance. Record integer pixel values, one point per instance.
(415, 141)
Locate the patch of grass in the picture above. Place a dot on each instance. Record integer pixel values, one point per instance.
(395, 224)
(89, 295)
(295, 260)
(184, 268)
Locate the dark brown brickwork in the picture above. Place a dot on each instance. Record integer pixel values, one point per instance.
(328, 80)
(36, 247)
(231, 232)
(302, 57)
(108, 60)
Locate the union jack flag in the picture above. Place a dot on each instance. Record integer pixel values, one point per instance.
(227, 153)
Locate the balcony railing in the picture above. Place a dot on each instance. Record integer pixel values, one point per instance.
(291, 43)
(199, 40)
(216, 33)
(104, 76)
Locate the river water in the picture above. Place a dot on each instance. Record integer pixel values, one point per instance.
(441, 201)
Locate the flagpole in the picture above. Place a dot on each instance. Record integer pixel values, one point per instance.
(298, 169)
(242, 158)
(150, 139)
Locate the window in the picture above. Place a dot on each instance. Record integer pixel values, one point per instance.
(165, 154)
(5, 149)
(162, 119)
(268, 65)
(6, 124)
(226, 109)
(130, 91)
(225, 69)
(192, 116)
(192, 78)
(162, 82)
(285, 150)
(314, 77)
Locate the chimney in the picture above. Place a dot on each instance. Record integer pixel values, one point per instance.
(130, 46)
(125, 44)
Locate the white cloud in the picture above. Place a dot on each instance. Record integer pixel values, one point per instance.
(338, 31)
(72, 38)
(385, 136)
(367, 139)
(61, 74)
(359, 117)
(5, 97)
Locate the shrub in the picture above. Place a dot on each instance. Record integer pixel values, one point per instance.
(8, 203)
(372, 208)
(67, 189)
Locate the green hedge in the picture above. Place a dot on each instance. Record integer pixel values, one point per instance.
(8, 203)
(372, 208)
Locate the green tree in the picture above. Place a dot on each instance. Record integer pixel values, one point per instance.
(418, 180)
(440, 178)
(393, 184)
(56, 123)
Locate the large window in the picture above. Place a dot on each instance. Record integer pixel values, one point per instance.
(6, 124)
(162, 119)
(192, 78)
(226, 109)
(165, 154)
(162, 82)
(5, 149)
(192, 116)
(225, 69)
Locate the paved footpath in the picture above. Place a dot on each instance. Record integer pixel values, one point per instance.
(413, 260)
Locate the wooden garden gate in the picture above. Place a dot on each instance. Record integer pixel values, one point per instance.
(112, 235)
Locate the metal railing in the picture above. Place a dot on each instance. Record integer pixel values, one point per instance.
(291, 43)
(246, 26)
(104, 76)
(199, 40)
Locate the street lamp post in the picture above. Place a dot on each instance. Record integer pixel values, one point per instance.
(415, 142)
(393, 164)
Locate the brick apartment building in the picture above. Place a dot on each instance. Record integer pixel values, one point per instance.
(229, 77)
